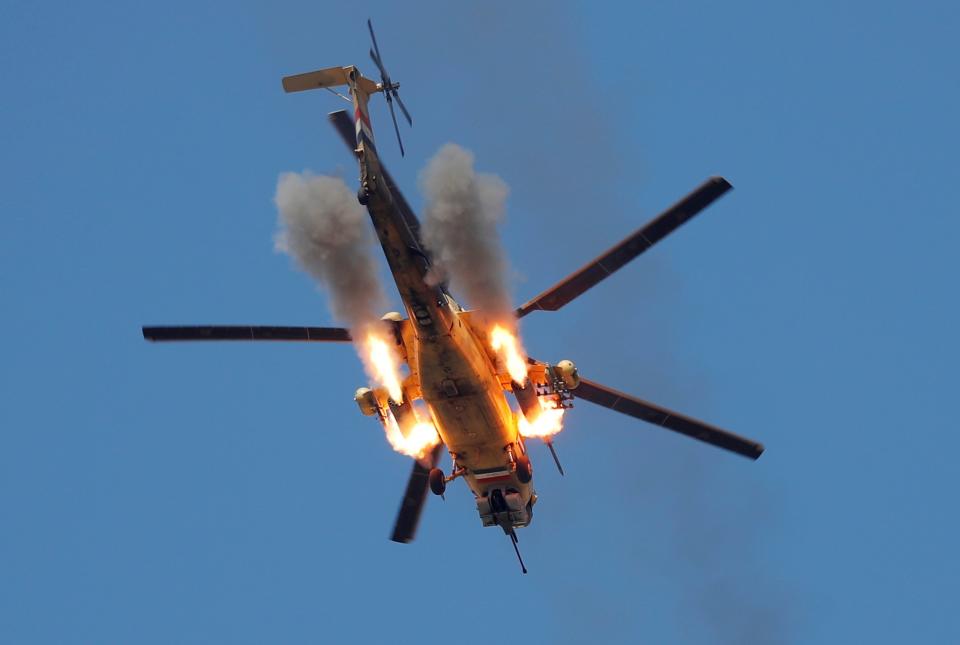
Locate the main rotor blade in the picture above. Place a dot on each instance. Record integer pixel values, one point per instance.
(345, 128)
(241, 332)
(408, 517)
(403, 108)
(393, 116)
(634, 407)
(619, 255)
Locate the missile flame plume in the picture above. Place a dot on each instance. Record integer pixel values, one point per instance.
(507, 347)
(548, 423)
(383, 365)
(417, 443)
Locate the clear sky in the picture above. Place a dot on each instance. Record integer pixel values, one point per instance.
(234, 493)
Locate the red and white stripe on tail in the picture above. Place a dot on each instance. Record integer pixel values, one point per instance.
(362, 123)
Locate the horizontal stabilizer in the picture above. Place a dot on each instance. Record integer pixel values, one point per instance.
(329, 77)
(245, 332)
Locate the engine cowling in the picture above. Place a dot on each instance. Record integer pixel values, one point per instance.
(567, 372)
(366, 401)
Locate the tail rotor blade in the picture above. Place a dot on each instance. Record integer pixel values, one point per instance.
(376, 61)
(403, 108)
(395, 126)
(376, 49)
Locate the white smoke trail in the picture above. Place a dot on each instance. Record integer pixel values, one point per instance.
(460, 230)
(324, 229)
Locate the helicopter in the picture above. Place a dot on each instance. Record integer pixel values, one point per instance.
(450, 353)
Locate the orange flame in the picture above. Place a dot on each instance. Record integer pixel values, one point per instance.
(383, 362)
(508, 349)
(419, 441)
(548, 423)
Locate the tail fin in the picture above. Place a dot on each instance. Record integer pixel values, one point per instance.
(329, 77)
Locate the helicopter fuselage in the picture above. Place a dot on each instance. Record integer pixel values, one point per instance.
(451, 368)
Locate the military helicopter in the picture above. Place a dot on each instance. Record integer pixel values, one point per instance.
(454, 370)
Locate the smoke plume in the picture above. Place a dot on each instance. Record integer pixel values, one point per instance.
(324, 229)
(463, 208)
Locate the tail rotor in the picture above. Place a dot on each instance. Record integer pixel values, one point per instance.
(388, 87)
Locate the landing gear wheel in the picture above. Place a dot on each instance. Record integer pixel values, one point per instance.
(438, 483)
(362, 196)
(524, 469)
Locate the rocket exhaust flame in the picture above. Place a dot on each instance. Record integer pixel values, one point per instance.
(416, 443)
(507, 347)
(383, 365)
(548, 423)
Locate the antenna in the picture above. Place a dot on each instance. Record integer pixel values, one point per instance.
(513, 540)
(553, 452)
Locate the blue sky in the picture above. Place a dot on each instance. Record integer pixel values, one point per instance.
(233, 493)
